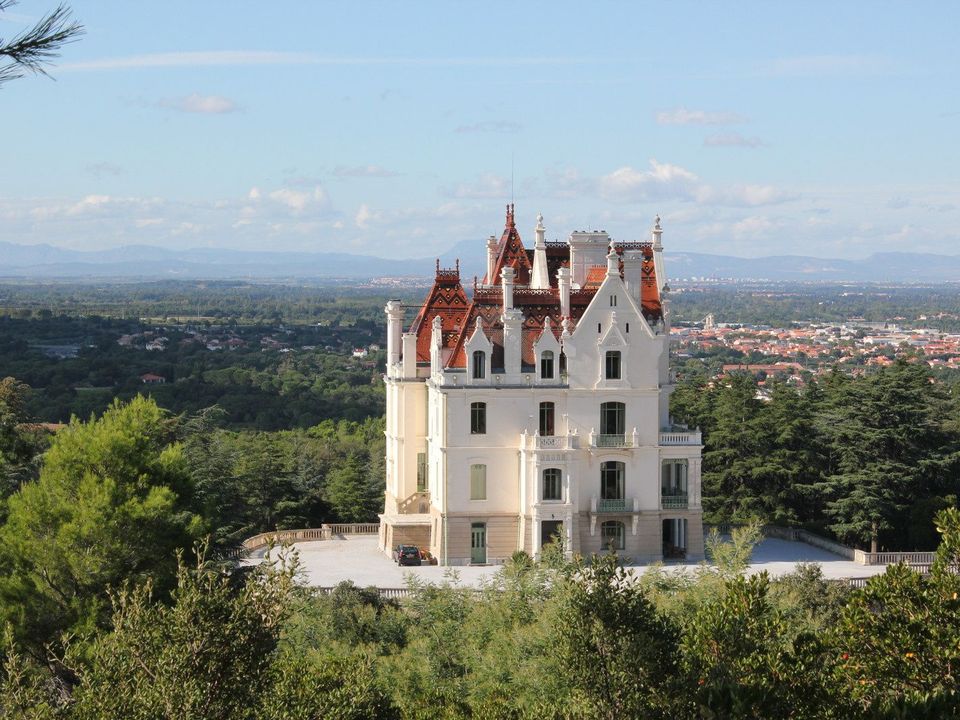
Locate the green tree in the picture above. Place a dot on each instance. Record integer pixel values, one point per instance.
(207, 654)
(351, 492)
(886, 445)
(745, 663)
(617, 654)
(900, 636)
(19, 448)
(111, 505)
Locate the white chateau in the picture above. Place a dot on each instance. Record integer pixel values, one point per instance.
(538, 408)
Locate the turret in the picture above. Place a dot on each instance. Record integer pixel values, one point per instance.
(656, 236)
(613, 262)
(563, 285)
(506, 280)
(539, 279)
(394, 311)
(491, 260)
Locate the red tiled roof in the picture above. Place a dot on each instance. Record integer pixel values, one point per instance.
(595, 277)
(446, 300)
(511, 253)
(459, 316)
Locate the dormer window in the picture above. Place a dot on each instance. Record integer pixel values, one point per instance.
(612, 365)
(546, 365)
(479, 364)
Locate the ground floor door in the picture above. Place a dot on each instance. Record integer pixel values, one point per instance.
(550, 530)
(675, 539)
(478, 543)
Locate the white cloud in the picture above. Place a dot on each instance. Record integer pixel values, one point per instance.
(486, 187)
(90, 202)
(254, 194)
(683, 116)
(300, 200)
(363, 217)
(753, 227)
(360, 171)
(202, 104)
(733, 139)
(662, 180)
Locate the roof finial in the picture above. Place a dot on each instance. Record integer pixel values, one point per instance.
(438, 265)
(458, 266)
(656, 222)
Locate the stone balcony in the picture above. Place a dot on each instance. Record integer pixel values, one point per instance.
(549, 442)
(613, 505)
(683, 437)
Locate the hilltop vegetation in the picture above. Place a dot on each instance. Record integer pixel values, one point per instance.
(543, 640)
(864, 458)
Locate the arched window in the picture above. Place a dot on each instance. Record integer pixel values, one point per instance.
(552, 484)
(611, 480)
(612, 418)
(479, 364)
(612, 369)
(478, 418)
(546, 365)
(612, 535)
(546, 418)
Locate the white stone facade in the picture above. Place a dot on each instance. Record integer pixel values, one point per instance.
(539, 409)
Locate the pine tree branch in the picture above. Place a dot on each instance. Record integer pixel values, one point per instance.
(29, 51)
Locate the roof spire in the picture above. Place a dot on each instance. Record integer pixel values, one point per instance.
(539, 276)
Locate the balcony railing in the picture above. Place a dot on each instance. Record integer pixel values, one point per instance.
(691, 437)
(549, 442)
(614, 441)
(674, 502)
(618, 505)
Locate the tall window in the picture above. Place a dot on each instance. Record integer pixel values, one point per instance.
(613, 535)
(478, 418)
(546, 365)
(611, 480)
(546, 418)
(479, 364)
(552, 489)
(612, 365)
(673, 480)
(421, 472)
(612, 418)
(478, 482)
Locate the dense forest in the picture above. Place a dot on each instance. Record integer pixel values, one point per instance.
(868, 458)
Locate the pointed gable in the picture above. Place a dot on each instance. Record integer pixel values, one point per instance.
(511, 253)
(650, 302)
(447, 301)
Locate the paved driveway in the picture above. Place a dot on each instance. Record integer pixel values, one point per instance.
(356, 558)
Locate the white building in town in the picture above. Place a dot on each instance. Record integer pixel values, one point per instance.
(537, 408)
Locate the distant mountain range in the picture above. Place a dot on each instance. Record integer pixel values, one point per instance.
(144, 261)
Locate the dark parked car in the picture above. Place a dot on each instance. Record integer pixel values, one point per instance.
(406, 555)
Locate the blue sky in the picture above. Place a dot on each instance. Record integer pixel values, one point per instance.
(390, 128)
